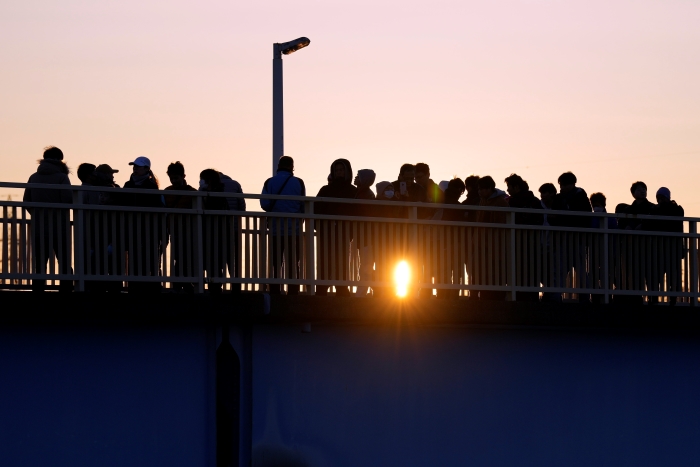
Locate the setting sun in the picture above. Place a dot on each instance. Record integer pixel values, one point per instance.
(402, 276)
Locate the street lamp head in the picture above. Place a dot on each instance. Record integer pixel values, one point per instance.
(292, 46)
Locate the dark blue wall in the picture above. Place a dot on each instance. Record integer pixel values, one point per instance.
(349, 396)
(97, 396)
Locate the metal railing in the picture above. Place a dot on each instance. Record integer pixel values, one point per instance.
(112, 247)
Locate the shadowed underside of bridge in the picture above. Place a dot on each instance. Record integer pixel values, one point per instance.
(99, 379)
(264, 309)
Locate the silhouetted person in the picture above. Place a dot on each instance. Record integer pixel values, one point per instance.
(144, 235)
(176, 174)
(234, 204)
(432, 190)
(522, 197)
(599, 203)
(552, 254)
(102, 231)
(491, 196)
(232, 186)
(454, 190)
(364, 181)
(331, 231)
(453, 269)
(182, 233)
(433, 193)
(473, 199)
(490, 240)
(640, 206)
(597, 260)
(284, 183)
(672, 248)
(573, 198)
(406, 188)
(50, 228)
(215, 229)
(84, 172)
(621, 271)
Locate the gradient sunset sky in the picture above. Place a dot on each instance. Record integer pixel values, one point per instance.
(607, 89)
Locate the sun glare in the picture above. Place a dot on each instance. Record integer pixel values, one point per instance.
(402, 275)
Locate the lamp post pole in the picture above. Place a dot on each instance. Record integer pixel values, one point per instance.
(278, 50)
(277, 109)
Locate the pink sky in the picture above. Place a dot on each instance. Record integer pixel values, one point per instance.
(609, 90)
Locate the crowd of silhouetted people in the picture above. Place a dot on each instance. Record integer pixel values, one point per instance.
(413, 184)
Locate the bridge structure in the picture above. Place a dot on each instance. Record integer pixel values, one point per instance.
(571, 355)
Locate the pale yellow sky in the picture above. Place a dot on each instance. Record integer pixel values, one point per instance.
(608, 90)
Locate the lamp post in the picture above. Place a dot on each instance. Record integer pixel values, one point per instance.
(285, 48)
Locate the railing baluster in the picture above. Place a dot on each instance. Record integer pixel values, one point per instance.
(512, 254)
(693, 252)
(79, 236)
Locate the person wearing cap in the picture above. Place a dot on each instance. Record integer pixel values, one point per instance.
(671, 248)
(144, 226)
(102, 248)
(282, 229)
(142, 177)
(50, 227)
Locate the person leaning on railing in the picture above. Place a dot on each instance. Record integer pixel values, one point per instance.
(287, 184)
(50, 228)
(331, 231)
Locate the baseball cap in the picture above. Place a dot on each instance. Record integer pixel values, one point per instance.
(141, 162)
(105, 169)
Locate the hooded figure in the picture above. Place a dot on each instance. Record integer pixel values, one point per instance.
(334, 232)
(339, 186)
(50, 226)
(363, 181)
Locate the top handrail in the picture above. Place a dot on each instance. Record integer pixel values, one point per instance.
(314, 199)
